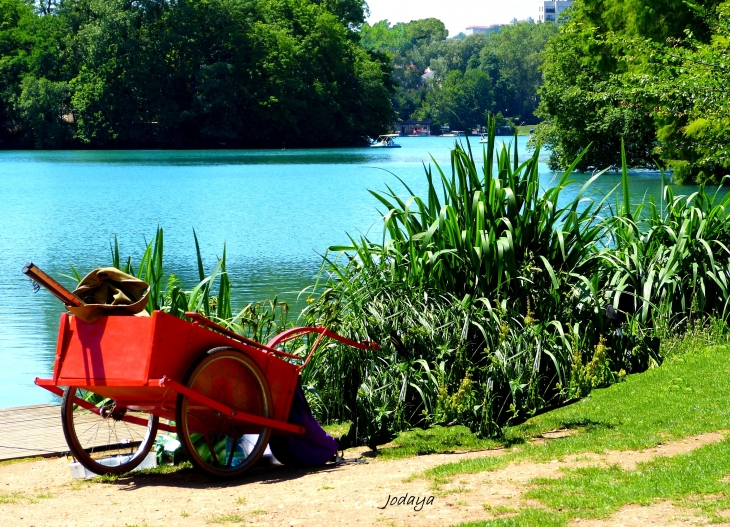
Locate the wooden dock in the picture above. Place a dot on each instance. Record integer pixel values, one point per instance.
(31, 431)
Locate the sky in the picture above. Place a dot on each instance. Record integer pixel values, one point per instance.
(455, 14)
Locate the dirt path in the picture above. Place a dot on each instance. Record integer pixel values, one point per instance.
(42, 493)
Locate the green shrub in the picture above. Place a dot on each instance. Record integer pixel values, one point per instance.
(489, 296)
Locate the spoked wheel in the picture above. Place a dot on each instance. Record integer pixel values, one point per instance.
(100, 439)
(220, 445)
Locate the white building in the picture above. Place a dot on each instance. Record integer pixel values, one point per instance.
(475, 30)
(550, 10)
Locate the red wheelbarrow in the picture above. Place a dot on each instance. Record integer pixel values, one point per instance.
(123, 377)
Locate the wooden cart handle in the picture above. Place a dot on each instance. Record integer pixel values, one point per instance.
(56, 289)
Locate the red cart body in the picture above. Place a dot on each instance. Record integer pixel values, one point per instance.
(217, 387)
(124, 358)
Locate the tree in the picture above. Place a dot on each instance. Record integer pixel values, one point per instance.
(513, 58)
(462, 101)
(581, 109)
(624, 70)
(189, 73)
(43, 105)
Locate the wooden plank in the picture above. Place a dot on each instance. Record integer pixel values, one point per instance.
(32, 431)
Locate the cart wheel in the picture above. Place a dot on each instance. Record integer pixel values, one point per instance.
(218, 444)
(103, 442)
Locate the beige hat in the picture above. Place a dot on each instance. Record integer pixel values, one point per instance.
(109, 291)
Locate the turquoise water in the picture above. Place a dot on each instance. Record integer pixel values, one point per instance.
(276, 211)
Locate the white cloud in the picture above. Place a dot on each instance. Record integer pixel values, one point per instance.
(456, 14)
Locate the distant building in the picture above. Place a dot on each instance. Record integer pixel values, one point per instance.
(474, 30)
(413, 127)
(550, 10)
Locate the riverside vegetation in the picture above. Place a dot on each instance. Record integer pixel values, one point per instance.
(188, 74)
(488, 296)
(620, 70)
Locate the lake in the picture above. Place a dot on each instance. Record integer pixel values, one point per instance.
(276, 211)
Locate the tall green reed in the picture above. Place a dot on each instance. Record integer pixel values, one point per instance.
(489, 295)
(212, 296)
(487, 278)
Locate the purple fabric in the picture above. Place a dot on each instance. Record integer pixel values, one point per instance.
(314, 447)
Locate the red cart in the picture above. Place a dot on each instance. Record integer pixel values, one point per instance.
(123, 377)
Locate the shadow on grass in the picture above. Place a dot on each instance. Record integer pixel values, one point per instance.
(586, 424)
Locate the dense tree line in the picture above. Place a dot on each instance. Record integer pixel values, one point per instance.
(469, 77)
(188, 73)
(651, 72)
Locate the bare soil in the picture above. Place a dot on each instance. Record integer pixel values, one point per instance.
(41, 493)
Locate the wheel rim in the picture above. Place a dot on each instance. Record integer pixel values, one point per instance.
(102, 441)
(216, 443)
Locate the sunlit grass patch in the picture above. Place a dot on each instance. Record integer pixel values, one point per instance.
(229, 518)
(337, 430)
(526, 518)
(22, 460)
(435, 440)
(19, 497)
(498, 510)
(444, 473)
(595, 492)
(12, 497)
(687, 396)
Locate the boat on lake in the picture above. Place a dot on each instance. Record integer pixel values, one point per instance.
(455, 133)
(385, 141)
(484, 138)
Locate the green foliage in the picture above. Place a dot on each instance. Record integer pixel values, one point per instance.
(622, 70)
(449, 293)
(43, 106)
(596, 374)
(189, 73)
(471, 76)
(489, 296)
(684, 397)
(434, 440)
(454, 407)
(258, 321)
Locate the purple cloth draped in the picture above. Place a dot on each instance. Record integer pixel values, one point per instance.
(314, 447)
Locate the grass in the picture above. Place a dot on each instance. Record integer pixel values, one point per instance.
(230, 518)
(146, 472)
(337, 429)
(686, 396)
(21, 460)
(596, 492)
(436, 440)
(19, 497)
(525, 130)
(499, 509)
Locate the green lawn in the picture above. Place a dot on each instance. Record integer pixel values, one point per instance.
(688, 395)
